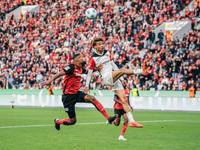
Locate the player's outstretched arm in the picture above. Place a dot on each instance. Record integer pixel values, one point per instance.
(58, 75)
(89, 74)
(88, 78)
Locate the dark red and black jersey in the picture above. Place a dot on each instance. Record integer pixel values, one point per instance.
(72, 79)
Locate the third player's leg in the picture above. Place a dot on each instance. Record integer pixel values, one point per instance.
(122, 96)
(118, 73)
(125, 105)
(125, 118)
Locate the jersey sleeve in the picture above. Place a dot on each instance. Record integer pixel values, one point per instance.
(110, 57)
(88, 78)
(128, 94)
(69, 69)
(91, 64)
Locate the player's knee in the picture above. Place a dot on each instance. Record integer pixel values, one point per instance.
(124, 100)
(92, 99)
(117, 123)
(126, 120)
(73, 121)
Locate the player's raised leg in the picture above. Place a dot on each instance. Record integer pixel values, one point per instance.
(99, 107)
(121, 95)
(118, 73)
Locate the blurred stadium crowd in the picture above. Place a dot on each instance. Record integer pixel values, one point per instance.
(40, 45)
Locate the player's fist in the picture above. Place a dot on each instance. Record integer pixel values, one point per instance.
(99, 67)
(86, 90)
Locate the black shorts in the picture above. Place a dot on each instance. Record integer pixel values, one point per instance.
(119, 112)
(70, 100)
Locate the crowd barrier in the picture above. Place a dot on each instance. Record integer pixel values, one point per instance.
(148, 100)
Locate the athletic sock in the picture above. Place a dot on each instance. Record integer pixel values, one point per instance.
(130, 116)
(64, 121)
(101, 109)
(124, 128)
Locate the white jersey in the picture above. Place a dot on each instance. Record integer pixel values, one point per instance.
(106, 72)
(104, 59)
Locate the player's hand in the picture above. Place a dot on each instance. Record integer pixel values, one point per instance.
(100, 66)
(86, 90)
(123, 82)
(45, 83)
(131, 108)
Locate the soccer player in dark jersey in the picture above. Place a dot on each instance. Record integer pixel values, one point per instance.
(72, 95)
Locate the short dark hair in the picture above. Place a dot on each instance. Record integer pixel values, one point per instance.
(97, 39)
(75, 55)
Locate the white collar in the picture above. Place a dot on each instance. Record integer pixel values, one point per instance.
(96, 52)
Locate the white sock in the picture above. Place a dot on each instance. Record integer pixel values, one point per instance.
(130, 116)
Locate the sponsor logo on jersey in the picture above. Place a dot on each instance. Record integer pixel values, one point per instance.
(66, 68)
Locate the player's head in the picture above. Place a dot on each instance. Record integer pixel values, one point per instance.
(79, 59)
(98, 44)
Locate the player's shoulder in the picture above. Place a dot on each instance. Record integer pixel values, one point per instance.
(71, 66)
(94, 55)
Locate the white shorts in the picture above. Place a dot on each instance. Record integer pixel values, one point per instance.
(108, 80)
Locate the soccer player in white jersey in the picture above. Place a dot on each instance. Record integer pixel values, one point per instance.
(110, 75)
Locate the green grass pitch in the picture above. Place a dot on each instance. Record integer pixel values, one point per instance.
(179, 131)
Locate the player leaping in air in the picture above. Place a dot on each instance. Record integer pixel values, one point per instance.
(110, 75)
(72, 95)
